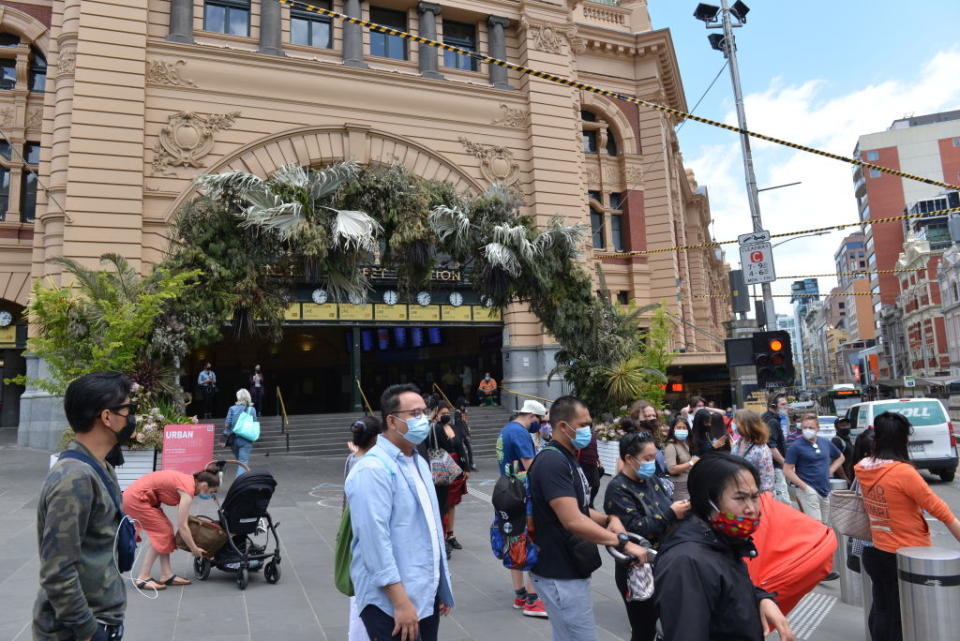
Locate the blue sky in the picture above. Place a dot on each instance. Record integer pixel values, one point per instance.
(820, 73)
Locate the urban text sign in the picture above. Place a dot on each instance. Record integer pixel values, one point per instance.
(756, 258)
(187, 448)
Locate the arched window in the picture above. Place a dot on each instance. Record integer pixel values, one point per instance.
(597, 134)
(11, 51)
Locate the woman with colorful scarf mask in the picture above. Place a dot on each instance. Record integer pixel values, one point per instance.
(701, 562)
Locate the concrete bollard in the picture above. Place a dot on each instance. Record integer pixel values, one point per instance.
(867, 585)
(929, 579)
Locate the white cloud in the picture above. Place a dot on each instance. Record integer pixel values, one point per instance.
(804, 114)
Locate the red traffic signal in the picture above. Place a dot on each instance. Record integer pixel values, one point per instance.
(773, 358)
(776, 345)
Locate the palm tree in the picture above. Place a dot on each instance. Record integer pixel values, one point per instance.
(295, 205)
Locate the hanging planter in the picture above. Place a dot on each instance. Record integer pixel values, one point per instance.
(136, 463)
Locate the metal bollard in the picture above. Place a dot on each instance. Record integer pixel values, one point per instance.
(929, 579)
(838, 565)
(867, 583)
(851, 588)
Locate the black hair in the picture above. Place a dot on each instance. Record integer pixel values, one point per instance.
(209, 475)
(710, 477)
(90, 394)
(564, 409)
(891, 431)
(696, 399)
(390, 399)
(707, 426)
(631, 444)
(863, 446)
(628, 425)
(773, 400)
(364, 431)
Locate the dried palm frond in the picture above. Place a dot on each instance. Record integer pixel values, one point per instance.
(354, 230)
(326, 181)
(214, 186)
(500, 256)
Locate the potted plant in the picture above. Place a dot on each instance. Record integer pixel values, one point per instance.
(608, 444)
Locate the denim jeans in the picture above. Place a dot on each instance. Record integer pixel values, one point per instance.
(241, 451)
(569, 603)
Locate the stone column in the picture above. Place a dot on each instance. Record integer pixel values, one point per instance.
(181, 21)
(352, 36)
(498, 49)
(429, 62)
(271, 38)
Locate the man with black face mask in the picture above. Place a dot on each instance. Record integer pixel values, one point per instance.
(81, 592)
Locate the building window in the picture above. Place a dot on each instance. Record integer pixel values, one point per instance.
(873, 156)
(28, 188)
(38, 71)
(616, 201)
(311, 29)
(616, 231)
(589, 141)
(623, 297)
(4, 192)
(956, 142)
(227, 16)
(597, 133)
(385, 45)
(463, 35)
(596, 228)
(612, 144)
(875, 173)
(8, 73)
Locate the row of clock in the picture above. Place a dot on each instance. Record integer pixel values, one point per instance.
(392, 297)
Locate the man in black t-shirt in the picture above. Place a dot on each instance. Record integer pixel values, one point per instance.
(564, 525)
(774, 417)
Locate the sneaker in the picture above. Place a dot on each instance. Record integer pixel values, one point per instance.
(454, 543)
(449, 549)
(535, 609)
(519, 602)
(833, 576)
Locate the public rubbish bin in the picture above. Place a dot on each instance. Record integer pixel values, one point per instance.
(929, 593)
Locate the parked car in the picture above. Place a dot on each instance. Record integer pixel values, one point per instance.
(933, 444)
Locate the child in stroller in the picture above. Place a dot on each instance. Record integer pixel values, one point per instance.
(242, 515)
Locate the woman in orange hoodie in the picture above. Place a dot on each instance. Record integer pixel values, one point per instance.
(894, 494)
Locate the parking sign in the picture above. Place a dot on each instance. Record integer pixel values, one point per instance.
(756, 258)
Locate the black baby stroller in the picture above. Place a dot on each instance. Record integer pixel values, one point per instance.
(243, 515)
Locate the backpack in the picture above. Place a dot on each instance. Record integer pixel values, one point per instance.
(126, 550)
(343, 547)
(511, 533)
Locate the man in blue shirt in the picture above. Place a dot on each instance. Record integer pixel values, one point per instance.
(515, 446)
(399, 571)
(207, 386)
(809, 464)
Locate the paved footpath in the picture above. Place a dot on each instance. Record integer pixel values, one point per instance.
(305, 606)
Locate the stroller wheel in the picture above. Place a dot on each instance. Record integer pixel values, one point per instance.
(242, 578)
(201, 568)
(271, 572)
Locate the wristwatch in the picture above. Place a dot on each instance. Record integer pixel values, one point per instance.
(622, 539)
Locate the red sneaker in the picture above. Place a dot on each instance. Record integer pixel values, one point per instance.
(519, 602)
(535, 609)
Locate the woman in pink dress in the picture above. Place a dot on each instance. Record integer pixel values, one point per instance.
(143, 500)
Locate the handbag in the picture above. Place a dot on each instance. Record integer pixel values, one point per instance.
(207, 534)
(247, 426)
(442, 466)
(848, 514)
(640, 582)
(343, 555)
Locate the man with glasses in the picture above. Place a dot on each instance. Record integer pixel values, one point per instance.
(809, 465)
(399, 570)
(565, 525)
(81, 592)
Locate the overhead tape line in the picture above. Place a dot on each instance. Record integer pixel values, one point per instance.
(717, 243)
(791, 295)
(606, 92)
(860, 273)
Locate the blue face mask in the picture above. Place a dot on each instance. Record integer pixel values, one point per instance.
(204, 496)
(534, 427)
(583, 437)
(681, 434)
(417, 429)
(646, 469)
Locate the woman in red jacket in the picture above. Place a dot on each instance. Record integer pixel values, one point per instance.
(894, 494)
(143, 500)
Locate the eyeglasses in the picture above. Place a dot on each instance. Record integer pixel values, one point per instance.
(414, 413)
(131, 406)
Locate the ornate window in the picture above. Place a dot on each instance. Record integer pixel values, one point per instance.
(311, 29)
(596, 220)
(227, 16)
(14, 53)
(383, 44)
(597, 134)
(463, 35)
(19, 169)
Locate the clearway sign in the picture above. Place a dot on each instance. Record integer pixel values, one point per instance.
(756, 258)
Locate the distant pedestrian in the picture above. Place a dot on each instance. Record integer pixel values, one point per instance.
(81, 592)
(589, 459)
(645, 507)
(567, 530)
(895, 496)
(844, 443)
(754, 437)
(399, 571)
(143, 500)
(680, 460)
(809, 465)
(776, 417)
(696, 403)
(240, 446)
(708, 433)
(487, 391)
(363, 436)
(701, 582)
(257, 387)
(207, 386)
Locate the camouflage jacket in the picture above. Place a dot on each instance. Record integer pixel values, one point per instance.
(76, 524)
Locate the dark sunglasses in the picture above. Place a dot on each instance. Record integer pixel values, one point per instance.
(131, 406)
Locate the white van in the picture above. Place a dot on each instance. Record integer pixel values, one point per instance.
(932, 446)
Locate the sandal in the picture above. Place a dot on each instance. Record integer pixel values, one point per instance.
(149, 583)
(177, 580)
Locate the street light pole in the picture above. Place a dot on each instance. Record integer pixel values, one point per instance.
(730, 51)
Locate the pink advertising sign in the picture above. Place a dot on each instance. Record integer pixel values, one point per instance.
(187, 448)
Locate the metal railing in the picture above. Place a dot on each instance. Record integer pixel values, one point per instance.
(517, 395)
(284, 419)
(364, 397)
(445, 397)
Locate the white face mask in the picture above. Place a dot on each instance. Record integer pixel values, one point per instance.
(809, 433)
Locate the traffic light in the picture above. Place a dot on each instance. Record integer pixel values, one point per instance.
(773, 358)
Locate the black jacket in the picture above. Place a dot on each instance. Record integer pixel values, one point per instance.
(776, 439)
(702, 586)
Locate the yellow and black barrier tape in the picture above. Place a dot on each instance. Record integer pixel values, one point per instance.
(860, 273)
(792, 295)
(607, 93)
(717, 243)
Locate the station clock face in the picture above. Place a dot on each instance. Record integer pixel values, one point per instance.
(5, 318)
(320, 296)
(423, 298)
(456, 299)
(390, 297)
(487, 301)
(357, 299)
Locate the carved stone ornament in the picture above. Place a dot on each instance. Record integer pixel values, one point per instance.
(550, 37)
(7, 116)
(496, 162)
(186, 138)
(634, 175)
(515, 118)
(66, 61)
(35, 118)
(162, 72)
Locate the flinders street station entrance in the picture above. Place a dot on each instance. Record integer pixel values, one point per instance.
(441, 334)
